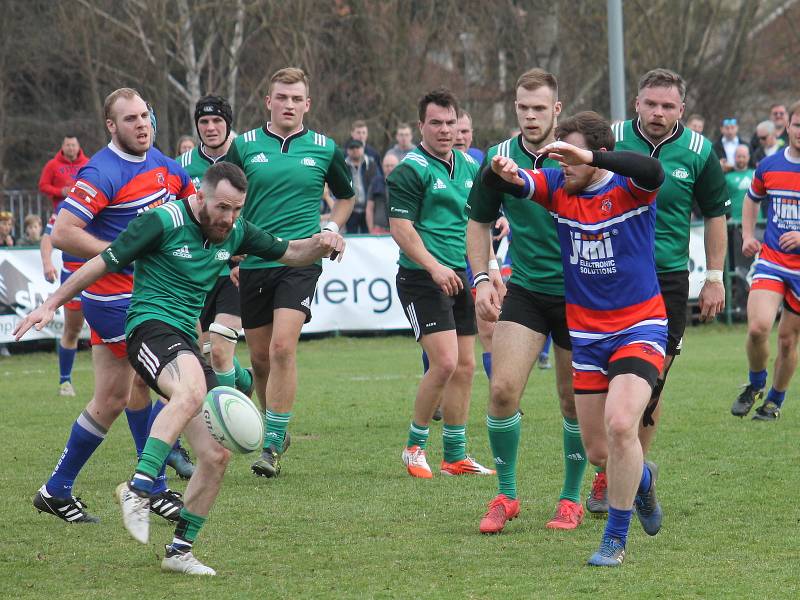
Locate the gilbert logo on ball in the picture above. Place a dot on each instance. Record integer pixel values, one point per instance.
(233, 420)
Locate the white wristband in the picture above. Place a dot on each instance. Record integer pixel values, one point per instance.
(331, 226)
(493, 266)
(714, 276)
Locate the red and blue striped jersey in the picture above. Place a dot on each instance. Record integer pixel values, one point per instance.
(111, 190)
(607, 238)
(777, 178)
(68, 261)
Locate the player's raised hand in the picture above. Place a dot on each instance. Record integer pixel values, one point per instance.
(507, 170)
(750, 246)
(38, 318)
(567, 154)
(446, 279)
(333, 243)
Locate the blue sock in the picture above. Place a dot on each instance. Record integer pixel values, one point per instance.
(160, 483)
(546, 348)
(487, 364)
(776, 396)
(66, 358)
(139, 423)
(84, 439)
(143, 483)
(644, 484)
(758, 379)
(619, 521)
(425, 362)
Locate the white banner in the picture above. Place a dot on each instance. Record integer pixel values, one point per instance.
(359, 293)
(22, 288)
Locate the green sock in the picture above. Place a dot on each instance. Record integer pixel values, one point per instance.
(504, 440)
(599, 469)
(275, 429)
(244, 380)
(574, 461)
(189, 525)
(227, 379)
(454, 442)
(417, 436)
(153, 456)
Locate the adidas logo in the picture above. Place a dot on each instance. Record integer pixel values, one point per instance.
(575, 456)
(306, 302)
(259, 158)
(680, 173)
(182, 252)
(309, 162)
(439, 185)
(499, 461)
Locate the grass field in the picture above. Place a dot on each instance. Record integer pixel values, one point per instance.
(345, 521)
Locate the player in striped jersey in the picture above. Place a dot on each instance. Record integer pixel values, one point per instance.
(777, 274)
(603, 203)
(120, 181)
(287, 167)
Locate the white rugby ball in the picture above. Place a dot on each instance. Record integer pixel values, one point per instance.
(233, 420)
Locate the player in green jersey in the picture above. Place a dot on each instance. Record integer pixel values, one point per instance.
(738, 180)
(427, 216)
(287, 167)
(532, 308)
(693, 173)
(221, 319)
(180, 249)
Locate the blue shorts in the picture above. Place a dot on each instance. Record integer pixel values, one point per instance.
(596, 360)
(107, 323)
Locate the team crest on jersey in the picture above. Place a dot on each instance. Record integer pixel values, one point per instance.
(593, 253)
(439, 185)
(468, 184)
(160, 178)
(309, 162)
(606, 205)
(222, 254)
(680, 173)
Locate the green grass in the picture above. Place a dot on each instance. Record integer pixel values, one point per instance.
(345, 521)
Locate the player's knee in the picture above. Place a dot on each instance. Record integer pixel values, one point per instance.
(596, 453)
(621, 427)
(259, 358)
(787, 343)
(282, 352)
(758, 330)
(221, 356)
(466, 366)
(214, 456)
(443, 367)
(504, 395)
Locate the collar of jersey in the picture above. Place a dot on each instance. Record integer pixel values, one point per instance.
(451, 166)
(789, 158)
(285, 141)
(125, 155)
(201, 152)
(656, 148)
(603, 181)
(538, 159)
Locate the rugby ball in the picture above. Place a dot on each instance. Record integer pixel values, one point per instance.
(233, 420)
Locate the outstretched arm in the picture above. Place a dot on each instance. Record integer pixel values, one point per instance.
(78, 281)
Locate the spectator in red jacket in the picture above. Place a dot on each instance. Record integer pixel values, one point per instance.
(61, 171)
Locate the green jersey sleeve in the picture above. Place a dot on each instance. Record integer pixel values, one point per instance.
(711, 191)
(484, 203)
(338, 176)
(233, 156)
(406, 191)
(259, 242)
(140, 237)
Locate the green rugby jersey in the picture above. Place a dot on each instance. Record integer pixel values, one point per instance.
(534, 246)
(692, 171)
(286, 178)
(738, 183)
(176, 267)
(433, 194)
(195, 162)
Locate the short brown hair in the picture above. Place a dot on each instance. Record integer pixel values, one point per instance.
(440, 97)
(402, 125)
(594, 128)
(358, 123)
(663, 78)
(290, 75)
(111, 99)
(794, 108)
(227, 171)
(533, 79)
(31, 219)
